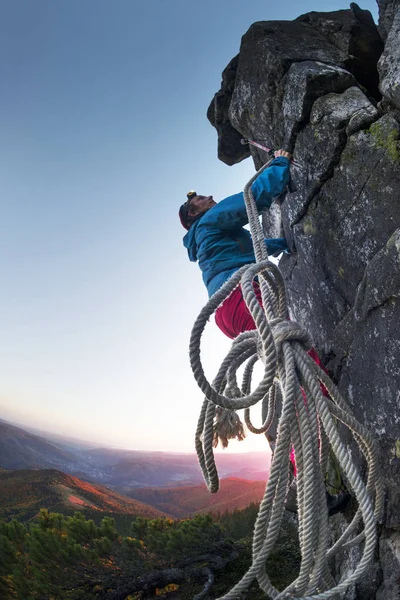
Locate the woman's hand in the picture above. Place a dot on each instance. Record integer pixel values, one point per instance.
(283, 153)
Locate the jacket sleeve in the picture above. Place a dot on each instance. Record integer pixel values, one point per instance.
(231, 212)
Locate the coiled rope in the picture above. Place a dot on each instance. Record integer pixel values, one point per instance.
(310, 428)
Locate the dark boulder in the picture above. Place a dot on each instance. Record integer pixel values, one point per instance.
(355, 33)
(280, 60)
(230, 149)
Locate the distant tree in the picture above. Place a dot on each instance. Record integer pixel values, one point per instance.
(81, 530)
(167, 541)
(107, 529)
(239, 523)
(12, 541)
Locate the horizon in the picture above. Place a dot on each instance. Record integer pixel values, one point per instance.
(37, 431)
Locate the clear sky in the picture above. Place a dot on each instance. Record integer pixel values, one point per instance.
(103, 130)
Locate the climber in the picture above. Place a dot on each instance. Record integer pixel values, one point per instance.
(217, 239)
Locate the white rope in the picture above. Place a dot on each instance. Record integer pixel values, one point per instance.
(310, 428)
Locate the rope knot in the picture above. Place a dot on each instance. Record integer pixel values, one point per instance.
(285, 331)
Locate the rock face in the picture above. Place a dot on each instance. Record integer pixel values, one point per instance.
(387, 11)
(389, 64)
(327, 87)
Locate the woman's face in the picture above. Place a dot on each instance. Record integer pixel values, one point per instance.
(200, 204)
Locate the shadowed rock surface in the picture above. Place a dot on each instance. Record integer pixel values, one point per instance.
(314, 86)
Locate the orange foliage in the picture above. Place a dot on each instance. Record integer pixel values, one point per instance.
(171, 587)
(76, 500)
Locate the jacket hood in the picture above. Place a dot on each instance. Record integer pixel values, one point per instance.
(189, 241)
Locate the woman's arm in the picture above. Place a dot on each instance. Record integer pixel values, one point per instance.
(231, 212)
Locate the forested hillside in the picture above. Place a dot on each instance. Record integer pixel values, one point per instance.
(186, 501)
(71, 558)
(23, 492)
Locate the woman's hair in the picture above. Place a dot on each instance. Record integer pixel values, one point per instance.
(184, 216)
(187, 219)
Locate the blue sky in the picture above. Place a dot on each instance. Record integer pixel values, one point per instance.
(103, 131)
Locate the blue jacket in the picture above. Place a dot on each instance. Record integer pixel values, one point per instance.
(218, 240)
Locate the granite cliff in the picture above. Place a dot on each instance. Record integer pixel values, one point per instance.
(326, 87)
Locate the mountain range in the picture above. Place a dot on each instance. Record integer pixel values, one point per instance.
(24, 492)
(65, 475)
(120, 469)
